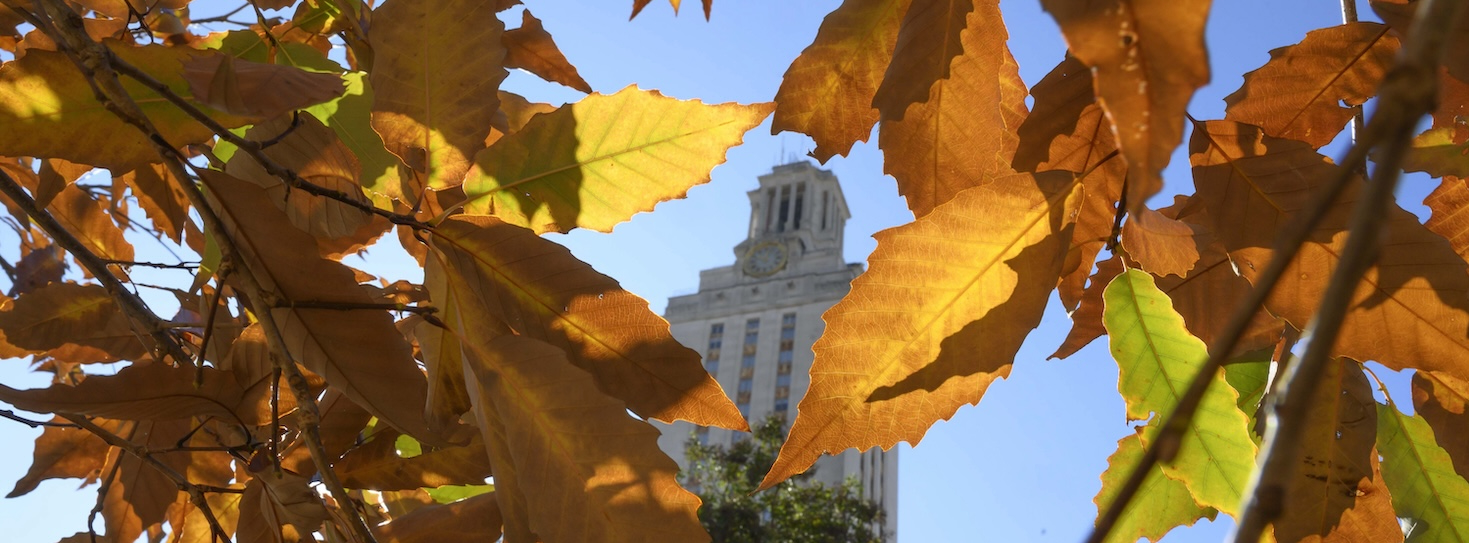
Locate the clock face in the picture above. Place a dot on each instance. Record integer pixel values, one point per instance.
(764, 259)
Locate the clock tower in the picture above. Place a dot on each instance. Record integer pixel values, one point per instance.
(754, 322)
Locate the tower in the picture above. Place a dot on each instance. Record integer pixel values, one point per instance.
(754, 322)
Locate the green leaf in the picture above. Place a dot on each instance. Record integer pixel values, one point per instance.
(1435, 152)
(1249, 375)
(1421, 478)
(596, 163)
(454, 493)
(1161, 504)
(350, 117)
(1157, 358)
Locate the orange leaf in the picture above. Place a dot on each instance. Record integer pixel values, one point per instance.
(376, 465)
(1440, 398)
(1449, 202)
(1086, 319)
(927, 44)
(1300, 93)
(75, 323)
(918, 337)
(530, 48)
(538, 289)
(144, 391)
(476, 518)
(63, 452)
(158, 193)
(827, 92)
(964, 135)
(256, 90)
(279, 508)
(1161, 245)
(1147, 57)
(85, 218)
(436, 68)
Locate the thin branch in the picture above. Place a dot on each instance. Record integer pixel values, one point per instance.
(355, 306)
(209, 325)
(96, 63)
(159, 265)
(1408, 93)
(144, 323)
(6, 413)
(102, 490)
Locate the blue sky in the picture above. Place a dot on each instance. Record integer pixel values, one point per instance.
(1021, 466)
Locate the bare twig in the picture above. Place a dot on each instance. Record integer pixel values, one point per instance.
(144, 323)
(102, 490)
(1408, 93)
(356, 306)
(6, 413)
(209, 324)
(158, 265)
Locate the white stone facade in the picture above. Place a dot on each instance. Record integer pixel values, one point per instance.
(754, 322)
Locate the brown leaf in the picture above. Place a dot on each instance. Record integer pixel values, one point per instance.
(1300, 93)
(570, 464)
(964, 135)
(342, 422)
(39, 268)
(85, 218)
(150, 391)
(139, 495)
(318, 157)
(917, 337)
(376, 465)
(357, 351)
(1196, 296)
(159, 194)
(1160, 245)
(1448, 203)
(76, 323)
(476, 518)
(188, 524)
(927, 43)
(1147, 57)
(541, 291)
(279, 508)
(1401, 315)
(1086, 319)
(827, 92)
(250, 365)
(516, 112)
(256, 90)
(1337, 493)
(530, 48)
(436, 68)
(51, 181)
(1440, 398)
(1399, 14)
(63, 452)
(447, 397)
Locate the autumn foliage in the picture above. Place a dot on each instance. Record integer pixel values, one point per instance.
(294, 398)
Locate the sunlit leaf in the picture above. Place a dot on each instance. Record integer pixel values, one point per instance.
(85, 218)
(937, 317)
(1157, 359)
(1162, 504)
(1147, 58)
(1086, 319)
(63, 452)
(153, 391)
(530, 48)
(1448, 204)
(1306, 90)
(473, 519)
(350, 117)
(1419, 474)
(447, 398)
(827, 92)
(597, 162)
(279, 508)
(376, 465)
(927, 44)
(256, 90)
(538, 289)
(436, 66)
(1440, 399)
(77, 323)
(964, 134)
(1160, 245)
(1435, 152)
(159, 195)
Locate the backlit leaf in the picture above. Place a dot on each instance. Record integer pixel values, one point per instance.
(376, 465)
(827, 92)
(963, 135)
(1147, 58)
(472, 519)
(1402, 315)
(159, 195)
(927, 43)
(1449, 202)
(538, 289)
(1160, 245)
(49, 110)
(279, 508)
(256, 90)
(1086, 319)
(357, 351)
(152, 391)
(530, 48)
(77, 323)
(1300, 93)
(570, 464)
(436, 66)
(1435, 152)
(350, 117)
(937, 317)
(1421, 477)
(63, 452)
(1157, 358)
(1161, 503)
(85, 218)
(1440, 399)
(599, 161)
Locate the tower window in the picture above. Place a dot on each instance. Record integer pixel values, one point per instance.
(825, 208)
(769, 209)
(800, 199)
(785, 208)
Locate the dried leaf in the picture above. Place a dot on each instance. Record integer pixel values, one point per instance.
(1086, 319)
(1147, 58)
(964, 135)
(86, 219)
(139, 496)
(1401, 315)
(350, 117)
(63, 452)
(473, 519)
(570, 168)
(318, 157)
(541, 291)
(256, 90)
(1160, 245)
(918, 337)
(279, 508)
(827, 92)
(39, 268)
(49, 109)
(1448, 203)
(436, 66)
(357, 351)
(570, 464)
(530, 48)
(927, 44)
(1440, 399)
(447, 397)
(76, 323)
(1300, 93)
(376, 465)
(151, 391)
(161, 198)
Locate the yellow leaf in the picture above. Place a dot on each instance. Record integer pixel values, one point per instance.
(48, 109)
(937, 317)
(964, 135)
(1147, 57)
(85, 218)
(538, 289)
(927, 43)
(827, 92)
(570, 464)
(597, 162)
(436, 67)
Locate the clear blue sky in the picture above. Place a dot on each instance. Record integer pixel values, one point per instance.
(1021, 466)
